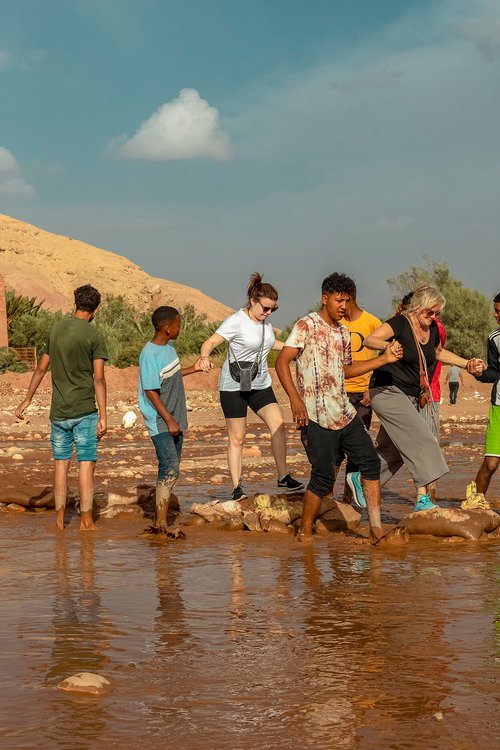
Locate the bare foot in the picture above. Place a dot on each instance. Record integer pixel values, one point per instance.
(60, 520)
(304, 535)
(87, 522)
(376, 534)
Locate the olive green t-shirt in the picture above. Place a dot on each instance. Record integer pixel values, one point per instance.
(73, 345)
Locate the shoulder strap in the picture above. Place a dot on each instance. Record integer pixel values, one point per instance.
(259, 353)
(422, 364)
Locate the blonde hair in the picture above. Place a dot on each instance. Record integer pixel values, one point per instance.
(424, 298)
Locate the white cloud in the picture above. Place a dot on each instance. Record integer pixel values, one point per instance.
(12, 183)
(5, 59)
(184, 128)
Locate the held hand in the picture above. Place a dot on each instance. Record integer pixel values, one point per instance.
(204, 364)
(19, 412)
(173, 427)
(299, 412)
(102, 427)
(393, 352)
(366, 400)
(475, 366)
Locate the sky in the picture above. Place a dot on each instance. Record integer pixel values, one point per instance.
(208, 139)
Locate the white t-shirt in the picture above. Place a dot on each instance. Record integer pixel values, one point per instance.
(245, 337)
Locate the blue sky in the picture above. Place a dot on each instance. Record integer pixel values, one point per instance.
(205, 140)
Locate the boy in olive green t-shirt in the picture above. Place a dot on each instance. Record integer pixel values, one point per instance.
(76, 353)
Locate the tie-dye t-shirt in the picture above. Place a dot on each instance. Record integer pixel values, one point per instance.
(324, 350)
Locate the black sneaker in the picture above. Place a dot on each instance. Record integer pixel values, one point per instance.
(289, 484)
(238, 493)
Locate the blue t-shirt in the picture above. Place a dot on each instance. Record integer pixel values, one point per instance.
(160, 370)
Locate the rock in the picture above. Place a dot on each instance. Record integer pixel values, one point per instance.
(340, 516)
(218, 479)
(232, 524)
(253, 451)
(17, 457)
(215, 510)
(194, 521)
(277, 527)
(128, 436)
(145, 434)
(127, 473)
(115, 510)
(85, 682)
(13, 449)
(37, 436)
(251, 519)
(14, 506)
(129, 419)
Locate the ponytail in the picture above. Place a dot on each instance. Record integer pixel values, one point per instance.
(256, 289)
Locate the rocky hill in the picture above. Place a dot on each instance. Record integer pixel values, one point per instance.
(50, 266)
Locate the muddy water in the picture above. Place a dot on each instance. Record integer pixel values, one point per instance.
(245, 641)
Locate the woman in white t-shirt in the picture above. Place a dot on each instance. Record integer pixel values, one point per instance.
(250, 338)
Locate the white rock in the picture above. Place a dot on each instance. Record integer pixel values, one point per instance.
(17, 457)
(85, 682)
(13, 449)
(129, 419)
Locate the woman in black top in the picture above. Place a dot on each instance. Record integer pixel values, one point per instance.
(404, 436)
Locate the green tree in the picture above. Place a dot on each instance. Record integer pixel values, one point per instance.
(31, 329)
(125, 329)
(467, 316)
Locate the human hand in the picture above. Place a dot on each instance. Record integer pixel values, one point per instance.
(299, 412)
(102, 427)
(19, 412)
(204, 364)
(393, 352)
(475, 366)
(366, 400)
(173, 427)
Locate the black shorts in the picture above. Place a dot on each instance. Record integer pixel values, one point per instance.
(365, 412)
(322, 447)
(235, 403)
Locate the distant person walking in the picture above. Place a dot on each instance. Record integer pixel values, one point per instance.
(454, 378)
(404, 436)
(245, 380)
(76, 352)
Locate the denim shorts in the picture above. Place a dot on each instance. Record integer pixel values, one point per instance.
(82, 432)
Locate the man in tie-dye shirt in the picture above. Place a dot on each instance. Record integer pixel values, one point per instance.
(320, 345)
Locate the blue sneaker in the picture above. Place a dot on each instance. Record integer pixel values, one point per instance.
(424, 503)
(353, 479)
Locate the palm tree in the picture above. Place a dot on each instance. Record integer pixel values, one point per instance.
(17, 305)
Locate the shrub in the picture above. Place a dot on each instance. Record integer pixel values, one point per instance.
(9, 361)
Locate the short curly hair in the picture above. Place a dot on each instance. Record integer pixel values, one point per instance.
(87, 298)
(339, 283)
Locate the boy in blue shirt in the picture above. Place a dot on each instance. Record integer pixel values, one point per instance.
(162, 401)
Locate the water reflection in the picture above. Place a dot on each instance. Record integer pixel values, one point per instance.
(238, 641)
(81, 639)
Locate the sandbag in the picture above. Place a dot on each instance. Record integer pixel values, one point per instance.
(43, 498)
(468, 524)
